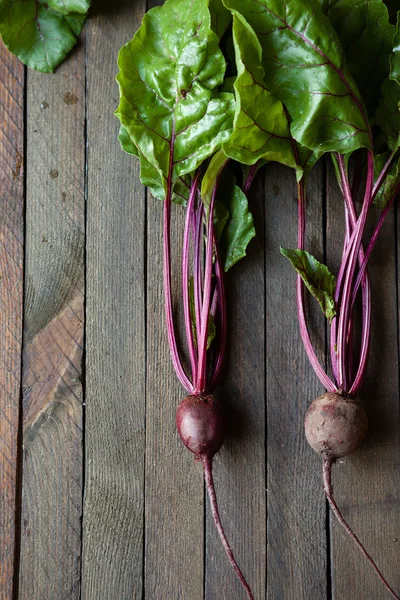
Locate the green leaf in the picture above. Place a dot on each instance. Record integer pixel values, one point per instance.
(211, 328)
(366, 37)
(317, 278)
(395, 57)
(261, 129)
(391, 182)
(149, 175)
(213, 172)
(238, 231)
(305, 68)
(220, 17)
(126, 143)
(42, 33)
(169, 99)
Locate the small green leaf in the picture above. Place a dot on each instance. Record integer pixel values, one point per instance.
(42, 33)
(261, 129)
(317, 278)
(391, 182)
(211, 328)
(238, 231)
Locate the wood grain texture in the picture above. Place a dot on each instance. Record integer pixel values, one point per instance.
(239, 468)
(11, 301)
(53, 336)
(367, 483)
(296, 508)
(115, 375)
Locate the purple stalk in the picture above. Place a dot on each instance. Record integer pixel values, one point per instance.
(354, 245)
(207, 464)
(185, 277)
(202, 340)
(220, 289)
(176, 361)
(312, 357)
(197, 279)
(365, 341)
(250, 177)
(364, 280)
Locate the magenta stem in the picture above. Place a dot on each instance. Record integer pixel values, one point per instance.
(207, 464)
(176, 361)
(221, 296)
(197, 274)
(305, 336)
(364, 280)
(185, 277)
(365, 340)
(326, 476)
(250, 177)
(345, 313)
(205, 312)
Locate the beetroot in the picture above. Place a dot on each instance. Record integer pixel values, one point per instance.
(335, 425)
(201, 425)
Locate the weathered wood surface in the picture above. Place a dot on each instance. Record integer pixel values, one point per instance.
(52, 481)
(112, 505)
(11, 305)
(115, 341)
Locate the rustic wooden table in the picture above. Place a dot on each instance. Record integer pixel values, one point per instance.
(99, 499)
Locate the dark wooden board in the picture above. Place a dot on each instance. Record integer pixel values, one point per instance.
(296, 507)
(367, 483)
(53, 333)
(11, 304)
(115, 313)
(239, 469)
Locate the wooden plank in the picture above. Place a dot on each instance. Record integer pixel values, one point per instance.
(241, 491)
(53, 335)
(367, 483)
(11, 302)
(115, 375)
(296, 508)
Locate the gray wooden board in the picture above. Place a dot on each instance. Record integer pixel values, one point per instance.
(367, 483)
(239, 468)
(53, 334)
(115, 312)
(296, 507)
(11, 304)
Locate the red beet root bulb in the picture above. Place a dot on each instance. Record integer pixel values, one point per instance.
(335, 425)
(201, 425)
